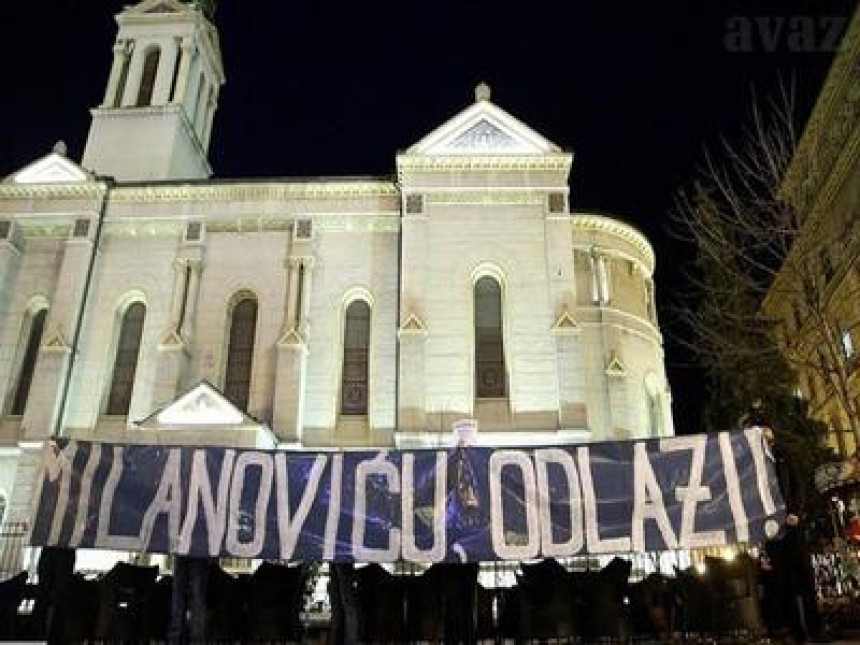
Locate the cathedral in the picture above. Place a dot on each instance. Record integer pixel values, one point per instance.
(144, 301)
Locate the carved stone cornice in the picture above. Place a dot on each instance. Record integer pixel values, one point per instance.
(255, 191)
(77, 190)
(487, 197)
(603, 224)
(560, 162)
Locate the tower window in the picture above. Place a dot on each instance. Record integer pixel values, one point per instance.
(240, 353)
(490, 381)
(356, 352)
(125, 363)
(28, 363)
(147, 79)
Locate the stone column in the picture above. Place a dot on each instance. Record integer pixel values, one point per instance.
(570, 362)
(135, 73)
(196, 266)
(412, 406)
(172, 350)
(9, 261)
(570, 368)
(412, 332)
(211, 106)
(290, 373)
(200, 109)
(49, 377)
(120, 58)
(303, 322)
(164, 77)
(187, 55)
(292, 265)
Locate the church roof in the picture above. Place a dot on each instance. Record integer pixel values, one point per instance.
(483, 128)
(53, 168)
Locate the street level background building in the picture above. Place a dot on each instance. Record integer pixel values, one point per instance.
(816, 295)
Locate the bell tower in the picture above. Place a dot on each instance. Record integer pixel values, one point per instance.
(156, 117)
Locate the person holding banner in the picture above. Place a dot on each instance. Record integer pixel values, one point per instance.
(786, 554)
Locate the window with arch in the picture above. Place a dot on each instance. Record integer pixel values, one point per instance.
(125, 362)
(33, 334)
(356, 352)
(147, 79)
(240, 352)
(490, 378)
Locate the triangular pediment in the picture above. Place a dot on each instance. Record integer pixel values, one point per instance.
(202, 405)
(50, 169)
(159, 6)
(483, 129)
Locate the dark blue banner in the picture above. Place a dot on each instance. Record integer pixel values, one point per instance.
(460, 504)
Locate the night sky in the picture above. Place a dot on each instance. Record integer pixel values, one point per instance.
(634, 89)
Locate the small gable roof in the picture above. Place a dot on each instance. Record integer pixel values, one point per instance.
(202, 405)
(53, 168)
(483, 128)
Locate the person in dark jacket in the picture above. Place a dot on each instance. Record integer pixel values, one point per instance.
(787, 555)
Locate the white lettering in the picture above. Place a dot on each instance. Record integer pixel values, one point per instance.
(528, 548)
(104, 538)
(549, 548)
(592, 526)
(93, 461)
(168, 499)
(436, 552)
(289, 528)
(648, 502)
(200, 492)
(733, 488)
(239, 519)
(693, 493)
(379, 466)
(332, 520)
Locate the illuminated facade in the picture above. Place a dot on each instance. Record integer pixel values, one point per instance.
(335, 312)
(816, 295)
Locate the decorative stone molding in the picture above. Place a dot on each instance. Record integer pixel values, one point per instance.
(560, 162)
(488, 197)
(292, 339)
(616, 368)
(56, 342)
(171, 341)
(412, 326)
(592, 222)
(214, 191)
(566, 324)
(81, 190)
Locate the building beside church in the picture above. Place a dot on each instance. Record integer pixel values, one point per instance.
(816, 295)
(309, 312)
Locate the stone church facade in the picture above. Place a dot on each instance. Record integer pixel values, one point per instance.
(335, 312)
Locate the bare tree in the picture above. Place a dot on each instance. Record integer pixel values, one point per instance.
(766, 273)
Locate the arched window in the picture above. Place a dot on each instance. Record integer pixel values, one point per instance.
(125, 364)
(28, 361)
(240, 352)
(356, 351)
(147, 79)
(490, 381)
